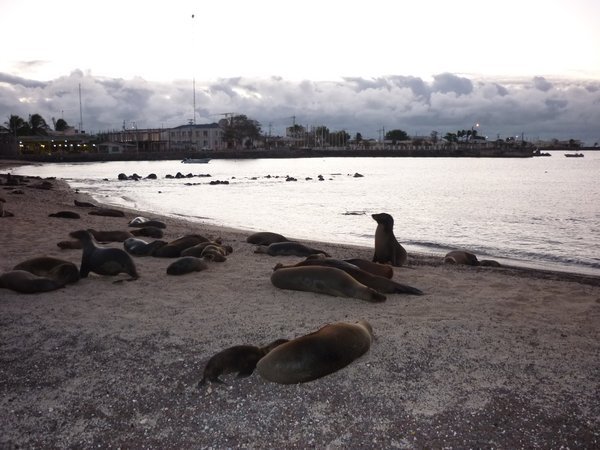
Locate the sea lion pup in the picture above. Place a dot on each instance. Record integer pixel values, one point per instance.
(27, 283)
(266, 238)
(110, 236)
(324, 280)
(289, 249)
(468, 259)
(141, 222)
(186, 264)
(139, 247)
(83, 204)
(107, 212)
(317, 354)
(380, 284)
(174, 248)
(383, 270)
(152, 232)
(65, 215)
(387, 248)
(103, 261)
(239, 358)
(49, 267)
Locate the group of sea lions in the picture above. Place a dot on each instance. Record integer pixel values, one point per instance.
(335, 345)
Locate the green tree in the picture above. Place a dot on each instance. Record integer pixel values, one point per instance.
(451, 137)
(358, 138)
(239, 129)
(396, 135)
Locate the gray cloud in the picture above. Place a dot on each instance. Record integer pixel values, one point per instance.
(538, 107)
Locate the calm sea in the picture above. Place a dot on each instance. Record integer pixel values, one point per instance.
(541, 212)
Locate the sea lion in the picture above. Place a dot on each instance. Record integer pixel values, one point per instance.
(110, 236)
(317, 354)
(266, 238)
(139, 247)
(141, 222)
(49, 267)
(186, 264)
(101, 260)
(387, 248)
(28, 283)
(107, 212)
(83, 204)
(380, 284)
(153, 232)
(65, 215)
(70, 245)
(239, 358)
(468, 259)
(174, 248)
(382, 270)
(324, 280)
(289, 249)
(215, 253)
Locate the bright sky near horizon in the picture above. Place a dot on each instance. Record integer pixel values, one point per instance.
(315, 40)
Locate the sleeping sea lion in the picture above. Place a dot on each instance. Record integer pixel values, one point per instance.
(266, 238)
(468, 259)
(239, 358)
(383, 270)
(28, 283)
(186, 264)
(324, 280)
(110, 236)
(101, 260)
(139, 247)
(153, 232)
(380, 284)
(70, 245)
(317, 354)
(174, 248)
(387, 248)
(83, 204)
(65, 215)
(49, 267)
(141, 222)
(289, 249)
(107, 212)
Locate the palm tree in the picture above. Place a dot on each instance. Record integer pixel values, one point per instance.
(38, 125)
(17, 125)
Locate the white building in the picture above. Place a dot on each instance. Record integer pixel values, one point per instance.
(196, 137)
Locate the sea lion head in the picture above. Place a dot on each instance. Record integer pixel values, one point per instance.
(383, 219)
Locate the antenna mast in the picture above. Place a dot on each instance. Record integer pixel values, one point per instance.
(80, 111)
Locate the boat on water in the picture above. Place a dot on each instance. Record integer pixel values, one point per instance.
(195, 160)
(574, 155)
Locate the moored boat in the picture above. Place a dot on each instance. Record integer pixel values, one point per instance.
(195, 160)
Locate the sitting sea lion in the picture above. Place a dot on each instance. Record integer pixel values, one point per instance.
(324, 280)
(239, 358)
(107, 212)
(380, 284)
(174, 248)
(289, 249)
(139, 247)
(186, 264)
(317, 354)
(65, 215)
(103, 261)
(49, 267)
(266, 238)
(110, 236)
(387, 248)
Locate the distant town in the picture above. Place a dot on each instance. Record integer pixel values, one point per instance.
(236, 135)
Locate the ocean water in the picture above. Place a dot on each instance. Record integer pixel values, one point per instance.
(539, 212)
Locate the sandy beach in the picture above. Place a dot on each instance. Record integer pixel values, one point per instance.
(487, 358)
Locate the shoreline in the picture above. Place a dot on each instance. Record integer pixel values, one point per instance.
(488, 357)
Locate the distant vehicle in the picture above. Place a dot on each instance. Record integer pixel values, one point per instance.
(195, 160)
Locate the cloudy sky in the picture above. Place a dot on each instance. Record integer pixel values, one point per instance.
(514, 67)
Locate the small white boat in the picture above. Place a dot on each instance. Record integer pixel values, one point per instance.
(195, 160)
